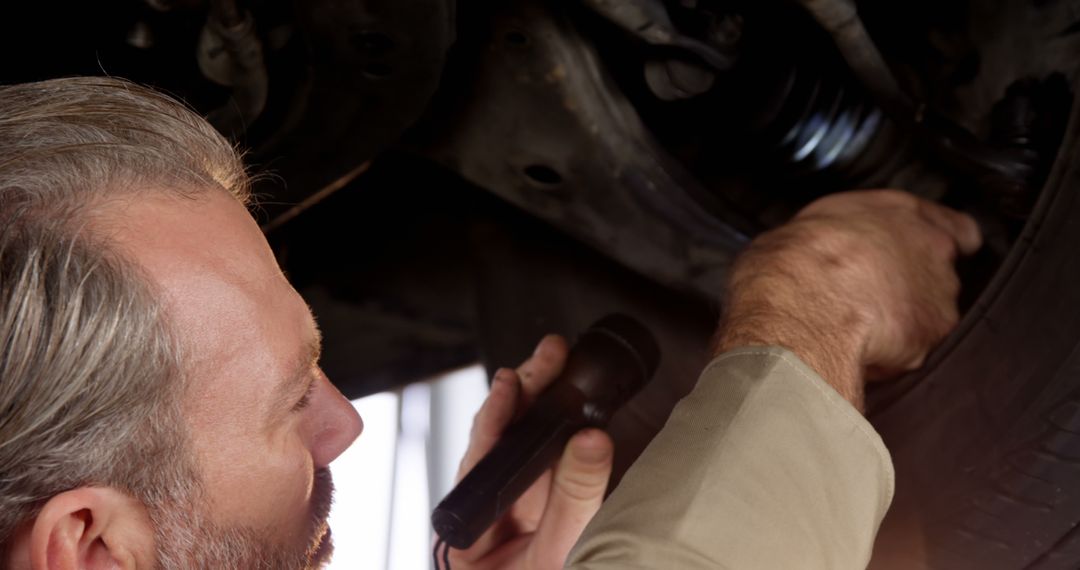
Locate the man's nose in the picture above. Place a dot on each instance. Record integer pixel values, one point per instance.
(335, 420)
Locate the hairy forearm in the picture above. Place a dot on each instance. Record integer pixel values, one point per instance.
(774, 309)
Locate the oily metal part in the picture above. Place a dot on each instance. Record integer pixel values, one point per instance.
(544, 127)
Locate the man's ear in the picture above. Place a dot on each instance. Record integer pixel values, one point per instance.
(92, 528)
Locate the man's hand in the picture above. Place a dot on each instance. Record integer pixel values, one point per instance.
(858, 284)
(539, 530)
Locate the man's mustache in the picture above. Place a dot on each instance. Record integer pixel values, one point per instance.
(322, 496)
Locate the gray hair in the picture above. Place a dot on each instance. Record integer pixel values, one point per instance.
(90, 371)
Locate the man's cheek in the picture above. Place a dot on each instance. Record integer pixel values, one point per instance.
(265, 490)
(291, 487)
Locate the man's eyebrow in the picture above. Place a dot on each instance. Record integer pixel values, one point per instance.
(288, 391)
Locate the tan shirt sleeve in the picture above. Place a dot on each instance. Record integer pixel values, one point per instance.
(762, 466)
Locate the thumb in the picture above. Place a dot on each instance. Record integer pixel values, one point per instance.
(577, 490)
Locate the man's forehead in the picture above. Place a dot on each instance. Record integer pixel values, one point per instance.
(221, 286)
(174, 236)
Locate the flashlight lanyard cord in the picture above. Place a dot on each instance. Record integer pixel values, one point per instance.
(445, 562)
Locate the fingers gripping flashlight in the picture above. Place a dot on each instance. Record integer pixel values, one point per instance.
(611, 361)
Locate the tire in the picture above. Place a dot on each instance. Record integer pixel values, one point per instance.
(986, 444)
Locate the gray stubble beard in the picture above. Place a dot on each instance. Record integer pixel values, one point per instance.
(186, 540)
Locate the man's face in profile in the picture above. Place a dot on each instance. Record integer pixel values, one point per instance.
(264, 421)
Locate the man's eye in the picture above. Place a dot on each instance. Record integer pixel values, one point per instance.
(306, 400)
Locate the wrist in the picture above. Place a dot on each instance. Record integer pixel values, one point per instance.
(830, 342)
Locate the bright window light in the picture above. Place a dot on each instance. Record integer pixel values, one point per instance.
(363, 476)
(401, 466)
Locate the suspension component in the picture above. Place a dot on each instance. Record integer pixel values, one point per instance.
(818, 122)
